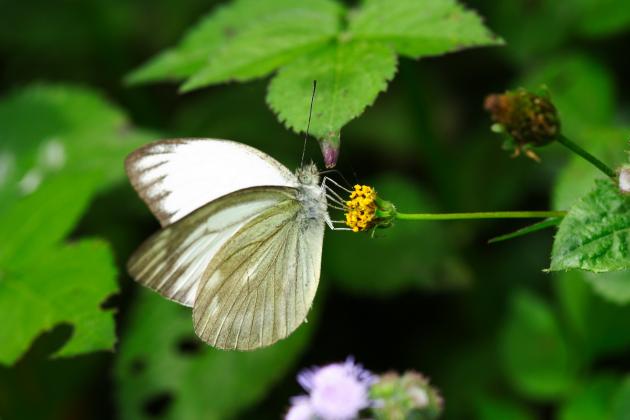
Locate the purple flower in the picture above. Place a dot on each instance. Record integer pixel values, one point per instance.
(336, 392)
(300, 409)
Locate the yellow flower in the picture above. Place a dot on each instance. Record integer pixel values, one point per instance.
(361, 208)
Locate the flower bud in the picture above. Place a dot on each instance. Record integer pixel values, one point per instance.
(402, 397)
(624, 179)
(330, 149)
(530, 120)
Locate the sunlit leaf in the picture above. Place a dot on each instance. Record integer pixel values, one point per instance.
(64, 285)
(59, 147)
(41, 220)
(595, 235)
(163, 366)
(349, 78)
(420, 28)
(243, 40)
(75, 129)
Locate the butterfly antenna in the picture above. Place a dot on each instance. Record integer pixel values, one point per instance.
(308, 124)
(338, 172)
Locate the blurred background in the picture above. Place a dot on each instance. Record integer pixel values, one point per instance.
(498, 336)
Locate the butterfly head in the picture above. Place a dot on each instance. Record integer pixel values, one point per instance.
(308, 174)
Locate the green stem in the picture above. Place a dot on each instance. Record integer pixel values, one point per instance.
(481, 215)
(586, 155)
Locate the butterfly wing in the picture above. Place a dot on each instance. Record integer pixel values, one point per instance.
(260, 285)
(173, 260)
(175, 177)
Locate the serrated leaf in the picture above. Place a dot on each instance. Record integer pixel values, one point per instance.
(243, 40)
(160, 356)
(421, 28)
(40, 220)
(64, 285)
(595, 234)
(535, 355)
(349, 78)
(49, 172)
(76, 130)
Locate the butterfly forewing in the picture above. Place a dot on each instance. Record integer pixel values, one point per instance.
(173, 261)
(261, 283)
(175, 177)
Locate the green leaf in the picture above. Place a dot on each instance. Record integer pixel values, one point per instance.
(595, 234)
(49, 172)
(547, 223)
(613, 286)
(535, 355)
(421, 28)
(64, 285)
(603, 397)
(600, 18)
(161, 357)
(576, 178)
(243, 40)
(621, 401)
(306, 41)
(76, 130)
(582, 89)
(598, 327)
(349, 78)
(531, 31)
(592, 401)
(413, 263)
(40, 220)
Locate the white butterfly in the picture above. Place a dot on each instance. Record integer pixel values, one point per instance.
(241, 240)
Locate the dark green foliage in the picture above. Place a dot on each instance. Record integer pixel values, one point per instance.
(499, 337)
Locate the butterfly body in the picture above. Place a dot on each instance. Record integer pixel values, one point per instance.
(241, 241)
(311, 195)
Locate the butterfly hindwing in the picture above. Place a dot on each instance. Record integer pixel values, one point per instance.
(173, 261)
(261, 283)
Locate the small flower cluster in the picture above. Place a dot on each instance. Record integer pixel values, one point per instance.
(530, 120)
(361, 208)
(335, 392)
(400, 397)
(341, 391)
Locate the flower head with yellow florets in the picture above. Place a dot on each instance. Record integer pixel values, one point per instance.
(365, 210)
